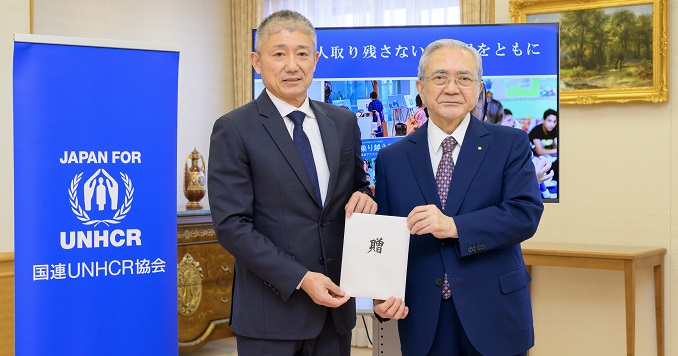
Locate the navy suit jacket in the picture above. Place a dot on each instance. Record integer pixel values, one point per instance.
(495, 202)
(265, 213)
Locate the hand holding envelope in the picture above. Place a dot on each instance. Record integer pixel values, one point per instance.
(392, 308)
(374, 263)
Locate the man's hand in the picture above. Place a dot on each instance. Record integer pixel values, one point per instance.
(428, 219)
(541, 166)
(323, 291)
(391, 308)
(360, 203)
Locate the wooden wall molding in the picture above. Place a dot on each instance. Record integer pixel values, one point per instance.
(7, 303)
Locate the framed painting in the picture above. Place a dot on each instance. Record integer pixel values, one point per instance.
(610, 50)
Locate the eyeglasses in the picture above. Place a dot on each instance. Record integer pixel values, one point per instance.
(443, 80)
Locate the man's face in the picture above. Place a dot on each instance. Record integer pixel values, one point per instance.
(507, 120)
(286, 64)
(550, 122)
(449, 102)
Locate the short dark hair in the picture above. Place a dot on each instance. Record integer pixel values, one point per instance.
(507, 112)
(284, 20)
(550, 112)
(494, 111)
(373, 95)
(400, 129)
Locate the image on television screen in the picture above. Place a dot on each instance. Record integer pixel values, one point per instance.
(520, 76)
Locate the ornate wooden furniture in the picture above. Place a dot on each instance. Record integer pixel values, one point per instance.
(205, 281)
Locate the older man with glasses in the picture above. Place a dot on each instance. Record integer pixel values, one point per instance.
(472, 200)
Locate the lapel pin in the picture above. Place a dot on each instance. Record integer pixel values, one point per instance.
(480, 148)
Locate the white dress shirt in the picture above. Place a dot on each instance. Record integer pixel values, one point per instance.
(436, 136)
(312, 130)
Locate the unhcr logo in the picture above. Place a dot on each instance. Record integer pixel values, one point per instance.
(101, 196)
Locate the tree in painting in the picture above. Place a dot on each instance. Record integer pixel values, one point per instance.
(602, 49)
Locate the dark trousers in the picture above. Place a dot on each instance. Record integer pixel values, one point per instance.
(328, 343)
(451, 339)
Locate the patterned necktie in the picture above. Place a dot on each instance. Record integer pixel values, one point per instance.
(304, 148)
(443, 178)
(445, 170)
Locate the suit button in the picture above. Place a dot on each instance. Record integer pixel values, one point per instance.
(322, 223)
(481, 247)
(439, 282)
(322, 260)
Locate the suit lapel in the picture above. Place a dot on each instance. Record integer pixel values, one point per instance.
(420, 161)
(275, 126)
(475, 146)
(328, 132)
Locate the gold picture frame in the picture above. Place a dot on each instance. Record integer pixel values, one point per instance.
(600, 63)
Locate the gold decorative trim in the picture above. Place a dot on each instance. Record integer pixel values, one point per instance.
(193, 233)
(206, 334)
(189, 285)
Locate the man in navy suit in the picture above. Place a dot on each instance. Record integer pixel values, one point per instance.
(284, 173)
(467, 285)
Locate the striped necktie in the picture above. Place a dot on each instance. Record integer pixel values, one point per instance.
(304, 148)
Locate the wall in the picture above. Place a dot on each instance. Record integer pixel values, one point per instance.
(14, 18)
(201, 28)
(616, 173)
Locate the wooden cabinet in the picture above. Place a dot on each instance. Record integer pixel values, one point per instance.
(205, 282)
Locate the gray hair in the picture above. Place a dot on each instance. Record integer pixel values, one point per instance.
(284, 20)
(448, 43)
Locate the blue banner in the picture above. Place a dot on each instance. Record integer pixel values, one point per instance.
(95, 135)
(378, 52)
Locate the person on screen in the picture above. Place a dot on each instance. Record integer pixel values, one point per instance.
(285, 172)
(377, 109)
(479, 109)
(400, 129)
(544, 136)
(544, 139)
(419, 117)
(508, 118)
(496, 114)
(471, 200)
(328, 91)
(494, 111)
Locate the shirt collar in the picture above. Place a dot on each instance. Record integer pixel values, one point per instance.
(436, 135)
(284, 108)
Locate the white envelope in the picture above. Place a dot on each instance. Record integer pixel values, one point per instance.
(374, 263)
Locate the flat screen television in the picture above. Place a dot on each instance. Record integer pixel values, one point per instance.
(520, 70)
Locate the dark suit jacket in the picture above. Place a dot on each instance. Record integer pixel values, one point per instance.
(494, 199)
(265, 213)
